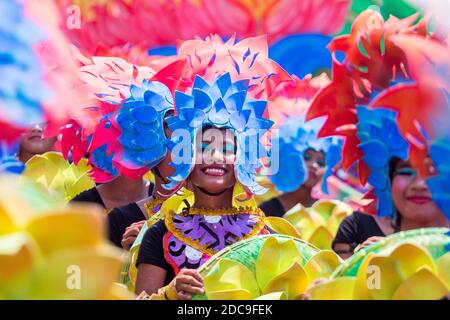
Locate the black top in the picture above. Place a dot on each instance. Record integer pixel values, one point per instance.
(272, 208)
(120, 218)
(90, 195)
(151, 250)
(357, 228)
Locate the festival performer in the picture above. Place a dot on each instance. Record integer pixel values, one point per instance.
(214, 125)
(106, 86)
(142, 119)
(303, 155)
(414, 209)
(385, 106)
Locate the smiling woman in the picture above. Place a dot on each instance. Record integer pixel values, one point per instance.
(413, 205)
(211, 214)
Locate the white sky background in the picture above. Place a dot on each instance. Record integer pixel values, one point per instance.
(439, 8)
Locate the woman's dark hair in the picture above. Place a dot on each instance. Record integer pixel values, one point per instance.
(396, 221)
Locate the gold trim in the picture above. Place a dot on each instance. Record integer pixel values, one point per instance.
(223, 211)
(196, 244)
(150, 205)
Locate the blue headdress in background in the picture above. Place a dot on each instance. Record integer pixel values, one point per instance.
(295, 137)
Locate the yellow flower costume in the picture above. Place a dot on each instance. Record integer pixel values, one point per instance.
(317, 225)
(48, 251)
(411, 265)
(56, 175)
(265, 267)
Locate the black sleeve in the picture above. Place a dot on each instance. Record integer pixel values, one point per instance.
(114, 233)
(90, 195)
(119, 219)
(272, 208)
(347, 232)
(151, 250)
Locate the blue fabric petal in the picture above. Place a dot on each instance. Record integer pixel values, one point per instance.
(202, 100)
(380, 141)
(219, 114)
(8, 160)
(140, 118)
(184, 101)
(235, 101)
(144, 114)
(440, 185)
(376, 154)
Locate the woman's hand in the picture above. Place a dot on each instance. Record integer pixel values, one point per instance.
(188, 282)
(369, 241)
(131, 233)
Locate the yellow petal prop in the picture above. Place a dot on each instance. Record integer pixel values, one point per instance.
(397, 266)
(276, 256)
(324, 208)
(318, 224)
(296, 216)
(335, 289)
(334, 222)
(231, 280)
(422, 285)
(293, 282)
(321, 238)
(233, 294)
(74, 226)
(282, 226)
(362, 282)
(74, 273)
(322, 264)
(443, 266)
(119, 291)
(273, 296)
(17, 251)
(56, 175)
(48, 251)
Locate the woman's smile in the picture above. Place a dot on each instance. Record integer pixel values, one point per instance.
(215, 170)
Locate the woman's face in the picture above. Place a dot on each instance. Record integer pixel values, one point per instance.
(315, 162)
(33, 141)
(214, 160)
(411, 196)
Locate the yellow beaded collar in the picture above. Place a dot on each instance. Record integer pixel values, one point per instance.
(222, 211)
(152, 203)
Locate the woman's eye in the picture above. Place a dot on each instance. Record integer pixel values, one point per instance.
(307, 157)
(321, 163)
(405, 172)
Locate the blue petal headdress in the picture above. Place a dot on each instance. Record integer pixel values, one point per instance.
(131, 140)
(380, 141)
(222, 104)
(141, 119)
(8, 161)
(295, 137)
(440, 184)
